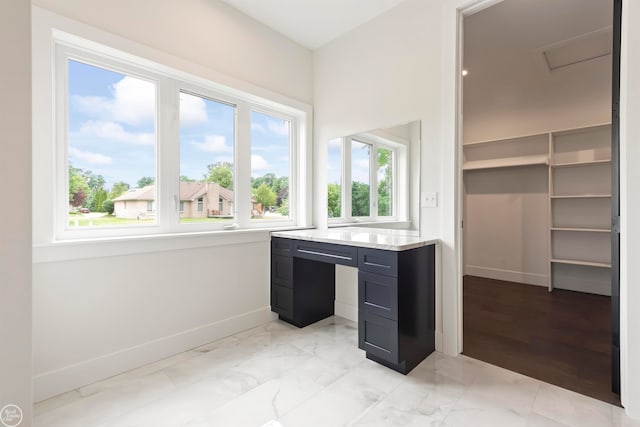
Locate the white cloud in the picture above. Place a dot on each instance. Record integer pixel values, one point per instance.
(279, 127)
(360, 171)
(214, 144)
(89, 157)
(114, 132)
(132, 102)
(259, 163)
(193, 110)
(258, 127)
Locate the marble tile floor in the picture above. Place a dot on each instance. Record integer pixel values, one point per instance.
(277, 375)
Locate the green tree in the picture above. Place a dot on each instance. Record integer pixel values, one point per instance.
(118, 189)
(222, 173)
(144, 181)
(95, 184)
(360, 199)
(284, 208)
(384, 185)
(265, 195)
(108, 206)
(334, 196)
(78, 188)
(184, 178)
(99, 197)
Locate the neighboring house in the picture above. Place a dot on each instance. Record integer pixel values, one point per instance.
(205, 199)
(136, 203)
(197, 200)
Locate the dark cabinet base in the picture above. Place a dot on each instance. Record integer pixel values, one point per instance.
(314, 290)
(396, 295)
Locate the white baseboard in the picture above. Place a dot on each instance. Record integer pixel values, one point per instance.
(52, 383)
(347, 311)
(508, 275)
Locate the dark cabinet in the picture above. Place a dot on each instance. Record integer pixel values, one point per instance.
(302, 291)
(396, 305)
(396, 295)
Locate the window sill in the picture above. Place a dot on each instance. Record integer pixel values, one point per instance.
(383, 224)
(70, 250)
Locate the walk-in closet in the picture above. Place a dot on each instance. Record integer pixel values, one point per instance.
(537, 202)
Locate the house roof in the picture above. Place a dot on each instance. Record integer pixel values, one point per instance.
(225, 193)
(144, 193)
(188, 191)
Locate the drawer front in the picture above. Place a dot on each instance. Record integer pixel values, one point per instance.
(282, 270)
(281, 246)
(326, 252)
(282, 301)
(378, 294)
(378, 261)
(378, 336)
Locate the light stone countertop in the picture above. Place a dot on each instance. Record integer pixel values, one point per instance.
(365, 237)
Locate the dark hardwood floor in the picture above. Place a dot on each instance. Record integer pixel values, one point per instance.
(560, 337)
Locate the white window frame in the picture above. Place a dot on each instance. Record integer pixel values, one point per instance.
(169, 83)
(400, 184)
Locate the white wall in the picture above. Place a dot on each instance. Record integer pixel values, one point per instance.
(384, 73)
(103, 308)
(15, 224)
(206, 32)
(506, 224)
(510, 91)
(630, 207)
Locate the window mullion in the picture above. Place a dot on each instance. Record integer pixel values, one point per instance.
(373, 179)
(347, 184)
(168, 162)
(242, 203)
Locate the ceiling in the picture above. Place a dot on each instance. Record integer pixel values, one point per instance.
(313, 23)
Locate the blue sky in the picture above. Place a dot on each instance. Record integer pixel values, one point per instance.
(112, 129)
(360, 162)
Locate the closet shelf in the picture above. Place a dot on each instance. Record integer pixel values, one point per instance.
(589, 230)
(583, 196)
(509, 162)
(579, 164)
(584, 263)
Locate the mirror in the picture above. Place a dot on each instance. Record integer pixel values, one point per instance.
(373, 178)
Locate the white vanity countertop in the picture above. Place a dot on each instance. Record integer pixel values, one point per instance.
(376, 238)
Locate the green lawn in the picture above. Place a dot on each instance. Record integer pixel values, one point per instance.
(195, 220)
(103, 221)
(112, 221)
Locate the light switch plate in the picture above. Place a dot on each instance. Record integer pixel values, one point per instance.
(429, 199)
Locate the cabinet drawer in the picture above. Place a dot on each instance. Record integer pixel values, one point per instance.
(282, 270)
(378, 336)
(281, 246)
(378, 261)
(378, 294)
(282, 301)
(326, 252)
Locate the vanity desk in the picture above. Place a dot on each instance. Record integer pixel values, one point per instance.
(396, 287)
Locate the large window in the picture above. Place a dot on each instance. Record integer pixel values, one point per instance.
(144, 149)
(207, 135)
(111, 147)
(367, 165)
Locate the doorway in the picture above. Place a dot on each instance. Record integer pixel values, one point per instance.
(538, 161)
